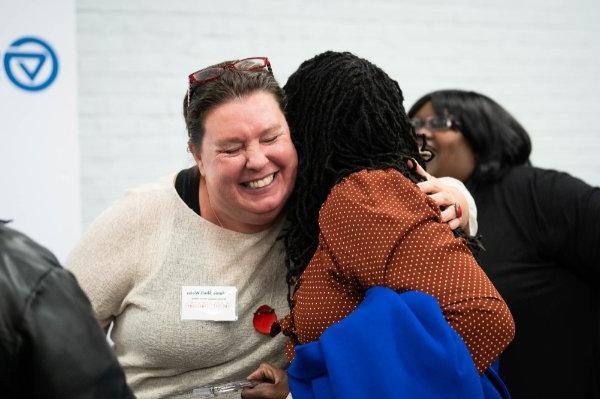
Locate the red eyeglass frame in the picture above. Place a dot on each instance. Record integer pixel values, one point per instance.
(218, 71)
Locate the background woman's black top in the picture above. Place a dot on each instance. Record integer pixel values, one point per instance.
(541, 229)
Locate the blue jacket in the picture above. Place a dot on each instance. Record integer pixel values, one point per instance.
(391, 346)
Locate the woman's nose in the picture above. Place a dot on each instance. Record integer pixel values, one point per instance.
(425, 132)
(256, 158)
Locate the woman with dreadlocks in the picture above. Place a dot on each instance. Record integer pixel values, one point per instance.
(357, 218)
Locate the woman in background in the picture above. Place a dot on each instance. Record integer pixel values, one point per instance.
(541, 231)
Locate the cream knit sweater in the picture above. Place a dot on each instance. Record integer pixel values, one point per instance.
(132, 263)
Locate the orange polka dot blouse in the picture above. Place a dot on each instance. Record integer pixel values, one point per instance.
(378, 229)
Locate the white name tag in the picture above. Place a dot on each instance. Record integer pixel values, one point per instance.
(217, 303)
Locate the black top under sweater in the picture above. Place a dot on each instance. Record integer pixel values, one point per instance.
(541, 229)
(187, 184)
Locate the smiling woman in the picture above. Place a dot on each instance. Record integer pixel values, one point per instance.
(453, 153)
(149, 262)
(247, 162)
(540, 230)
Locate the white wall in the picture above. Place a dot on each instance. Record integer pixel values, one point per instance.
(39, 152)
(540, 59)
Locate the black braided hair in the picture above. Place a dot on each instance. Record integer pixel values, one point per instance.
(345, 115)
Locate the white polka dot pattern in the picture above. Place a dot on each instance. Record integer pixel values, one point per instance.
(378, 229)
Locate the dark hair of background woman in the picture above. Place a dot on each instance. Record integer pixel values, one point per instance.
(345, 115)
(497, 139)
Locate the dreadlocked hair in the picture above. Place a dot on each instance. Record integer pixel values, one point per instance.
(345, 115)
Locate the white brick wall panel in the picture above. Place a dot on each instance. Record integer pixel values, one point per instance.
(540, 59)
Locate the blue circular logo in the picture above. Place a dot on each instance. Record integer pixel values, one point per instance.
(31, 64)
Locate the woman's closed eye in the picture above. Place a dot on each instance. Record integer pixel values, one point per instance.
(270, 139)
(231, 150)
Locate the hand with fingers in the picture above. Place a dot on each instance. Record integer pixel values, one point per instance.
(447, 195)
(275, 385)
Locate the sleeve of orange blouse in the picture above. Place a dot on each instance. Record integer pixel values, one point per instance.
(286, 325)
(383, 231)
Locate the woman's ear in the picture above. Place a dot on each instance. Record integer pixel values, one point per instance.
(197, 157)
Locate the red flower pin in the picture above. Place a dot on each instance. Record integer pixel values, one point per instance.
(264, 317)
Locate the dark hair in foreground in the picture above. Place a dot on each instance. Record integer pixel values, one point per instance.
(345, 115)
(497, 139)
(230, 85)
